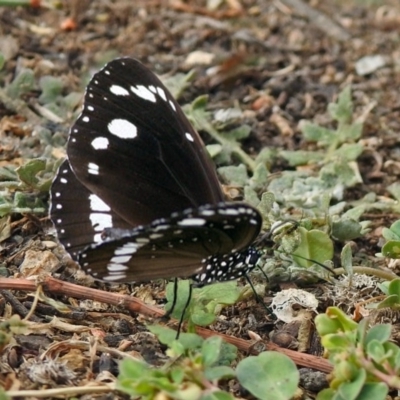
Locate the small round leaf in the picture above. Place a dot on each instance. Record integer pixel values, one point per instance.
(269, 376)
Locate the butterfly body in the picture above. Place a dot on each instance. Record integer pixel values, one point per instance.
(138, 197)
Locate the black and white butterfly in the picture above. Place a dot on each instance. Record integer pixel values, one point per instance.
(138, 197)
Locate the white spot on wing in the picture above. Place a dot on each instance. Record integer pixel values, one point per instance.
(100, 143)
(96, 204)
(156, 235)
(85, 119)
(93, 168)
(162, 94)
(171, 103)
(189, 137)
(114, 277)
(128, 248)
(192, 222)
(122, 128)
(119, 90)
(144, 93)
(228, 211)
(207, 212)
(119, 260)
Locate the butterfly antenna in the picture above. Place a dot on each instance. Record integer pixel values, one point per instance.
(263, 272)
(318, 263)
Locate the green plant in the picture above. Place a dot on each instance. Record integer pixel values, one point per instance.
(366, 363)
(23, 184)
(197, 366)
(391, 248)
(392, 291)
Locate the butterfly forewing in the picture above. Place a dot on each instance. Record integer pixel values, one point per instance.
(133, 147)
(175, 247)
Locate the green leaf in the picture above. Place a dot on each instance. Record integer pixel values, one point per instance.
(214, 149)
(217, 396)
(234, 175)
(72, 100)
(346, 229)
(350, 132)
(394, 350)
(390, 301)
(301, 157)
(346, 258)
(269, 376)
(349, 152)
(220, 372)
(260, 177)
(326, 325)
(181, 297)
(342, 111)
(23, 83)
(351, 390)
(347, 324)
(394, 287)
(239, 133)
(376, 351)
(52, 88)
(340, 173)
(393, 232)
(223, 293)
(336, 342)
(178, 83)
(133, 376)
(316, 133)
(373, 391)
(391, 249)
(394, 190)
(201, 316)
(132, 369)
(326, 394)
(167, 336)
(381, 333)
(27, 172)
(384, 287)
(267, 202)
(315, 245)
(210, 350)
(251, 197)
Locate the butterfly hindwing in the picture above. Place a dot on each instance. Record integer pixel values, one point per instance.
(179, 246)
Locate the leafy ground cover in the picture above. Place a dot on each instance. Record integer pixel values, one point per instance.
(298, 104)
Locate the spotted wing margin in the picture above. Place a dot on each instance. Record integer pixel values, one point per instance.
(133, 146)
(174, 247)
(77, 215)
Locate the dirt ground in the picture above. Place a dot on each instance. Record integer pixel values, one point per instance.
(280, 62)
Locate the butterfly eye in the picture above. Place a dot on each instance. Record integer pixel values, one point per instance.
(137, 197)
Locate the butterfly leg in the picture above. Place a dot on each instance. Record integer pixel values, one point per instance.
(258, 298)
(167, 315)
